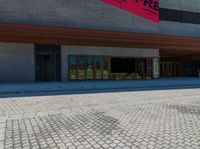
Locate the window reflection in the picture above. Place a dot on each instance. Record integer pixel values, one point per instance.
(81, 68)
(98, 70)
(105, 68)
(88, 68)
(73, 68)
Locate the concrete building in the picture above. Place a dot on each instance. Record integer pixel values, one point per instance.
(62, 40)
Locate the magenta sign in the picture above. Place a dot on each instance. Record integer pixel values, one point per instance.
(148, 9)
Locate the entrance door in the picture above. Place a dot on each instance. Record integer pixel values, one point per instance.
(170, 67)
(99, 68)
(176, 69)
(48, 63)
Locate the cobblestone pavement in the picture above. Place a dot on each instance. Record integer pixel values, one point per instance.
(168, 119)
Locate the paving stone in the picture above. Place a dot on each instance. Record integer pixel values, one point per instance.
(2, 144)
(146, 119)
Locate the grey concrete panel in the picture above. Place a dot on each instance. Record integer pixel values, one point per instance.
(13, 11)
(109, 51)
(92, 14)
(16, 63)
(175, 28)
(103, 51)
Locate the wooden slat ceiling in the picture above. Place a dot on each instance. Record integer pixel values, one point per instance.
(10, 32)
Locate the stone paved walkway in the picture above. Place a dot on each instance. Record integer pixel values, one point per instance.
(167, 119)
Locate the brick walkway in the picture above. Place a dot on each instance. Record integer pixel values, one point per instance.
(167, 119)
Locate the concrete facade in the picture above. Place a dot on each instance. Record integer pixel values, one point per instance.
(17, 60)
(102, 51)
(17, 63)
(94, 14)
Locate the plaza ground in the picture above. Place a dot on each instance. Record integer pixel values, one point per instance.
(151, 119)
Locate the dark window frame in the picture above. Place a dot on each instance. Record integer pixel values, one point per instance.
(179, 16)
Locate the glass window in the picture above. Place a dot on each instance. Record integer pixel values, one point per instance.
(140, 66)
(72, 68)
(149, 66)
(98, 70)
(89, 68)
(81, 67)
(155, 68)
(105, 68)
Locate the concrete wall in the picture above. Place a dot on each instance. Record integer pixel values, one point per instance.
(103, 51)
(94, 14)
(176, 28)
(73, 13)
(16, 63)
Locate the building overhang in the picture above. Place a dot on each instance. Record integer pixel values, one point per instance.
(38, 34)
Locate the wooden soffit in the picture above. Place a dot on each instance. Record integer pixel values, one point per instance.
(20, 33)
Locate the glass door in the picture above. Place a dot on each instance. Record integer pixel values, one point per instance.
(89, 68)
(102, 68)
(155, 68)
(72, 68)
(81, 68)
(106, 71)
(48, 63)
(99, 67)
(176, 69)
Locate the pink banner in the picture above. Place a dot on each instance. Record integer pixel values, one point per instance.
(148, 9)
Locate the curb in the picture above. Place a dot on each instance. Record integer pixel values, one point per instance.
(92, 89)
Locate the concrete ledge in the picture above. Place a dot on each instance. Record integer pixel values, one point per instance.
(99, 85)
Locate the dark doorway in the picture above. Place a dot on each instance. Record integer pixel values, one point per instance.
(169, 66)
(122, 65)
(48, 63)
(191, 69)
(128, 65)
(129, 68)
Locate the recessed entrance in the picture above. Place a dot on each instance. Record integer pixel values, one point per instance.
(129, 69)
(191, 69)
(48, 63)
(169, 66)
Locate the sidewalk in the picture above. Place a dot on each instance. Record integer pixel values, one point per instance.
(99, 85)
